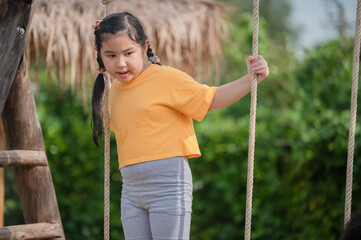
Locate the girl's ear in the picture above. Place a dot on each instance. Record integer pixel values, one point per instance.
(145, 49)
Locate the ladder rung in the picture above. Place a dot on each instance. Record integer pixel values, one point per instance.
(31, 231)
(22, 158)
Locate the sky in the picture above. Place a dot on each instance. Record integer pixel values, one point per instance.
(313, 19)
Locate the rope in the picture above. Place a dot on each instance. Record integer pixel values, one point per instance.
(252, 127)
(351, 138)
(108, 6)
(106, 160)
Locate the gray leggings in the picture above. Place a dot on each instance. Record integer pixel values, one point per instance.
(156, 200)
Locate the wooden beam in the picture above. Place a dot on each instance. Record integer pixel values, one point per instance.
(14, 19)
(22, 158)
(31, 231)
(23, 132)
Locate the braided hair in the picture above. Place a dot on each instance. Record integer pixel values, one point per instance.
(151, 57)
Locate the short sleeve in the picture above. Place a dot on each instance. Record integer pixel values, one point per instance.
(192, 98)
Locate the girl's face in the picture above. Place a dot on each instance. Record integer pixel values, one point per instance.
(123, 58)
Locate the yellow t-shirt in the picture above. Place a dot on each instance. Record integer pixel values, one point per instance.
(151, 115)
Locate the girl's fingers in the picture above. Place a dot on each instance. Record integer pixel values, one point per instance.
(259, 68)
(259, 65)
(251, 59)
(259, 62)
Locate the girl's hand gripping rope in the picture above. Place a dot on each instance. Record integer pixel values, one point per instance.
(258, 66)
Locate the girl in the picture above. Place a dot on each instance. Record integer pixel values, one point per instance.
(151, 110)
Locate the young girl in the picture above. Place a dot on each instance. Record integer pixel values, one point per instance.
(151, 110)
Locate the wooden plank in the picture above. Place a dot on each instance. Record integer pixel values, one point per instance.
(23, 132)
(31, 231)
(14, 16)
(22, 158)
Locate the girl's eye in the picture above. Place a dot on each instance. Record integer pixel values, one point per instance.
(128, 53)
(111, 56)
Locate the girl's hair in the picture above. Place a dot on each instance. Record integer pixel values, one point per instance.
(112, 24)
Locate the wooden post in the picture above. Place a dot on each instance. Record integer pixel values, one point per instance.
(13, 14)
(2, 176)
(23, 132)
(14, 21)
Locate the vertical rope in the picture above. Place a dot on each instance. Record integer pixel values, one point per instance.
(252, 127)
(108, 7)
(351, 138)
(106, 160)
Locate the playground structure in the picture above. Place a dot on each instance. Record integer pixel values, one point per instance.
(26, 152)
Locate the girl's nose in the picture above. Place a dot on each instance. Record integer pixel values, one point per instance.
(121, 62)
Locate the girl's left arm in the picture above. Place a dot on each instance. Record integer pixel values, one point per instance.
(231, 92)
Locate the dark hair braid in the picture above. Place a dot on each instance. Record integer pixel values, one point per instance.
(97, 99)
(151, 57)
(100, 62)
(150, 52)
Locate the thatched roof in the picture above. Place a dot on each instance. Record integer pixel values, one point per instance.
(186, 34)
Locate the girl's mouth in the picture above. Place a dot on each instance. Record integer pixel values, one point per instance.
(123, 74)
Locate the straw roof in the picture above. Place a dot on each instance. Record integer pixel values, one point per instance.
(186, 34)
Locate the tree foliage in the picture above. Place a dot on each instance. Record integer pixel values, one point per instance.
(275, 12)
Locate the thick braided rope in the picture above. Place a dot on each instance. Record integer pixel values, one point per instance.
(106, 145)
(106, 160)
(252, 127)
(351, 138)
(108, 6)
